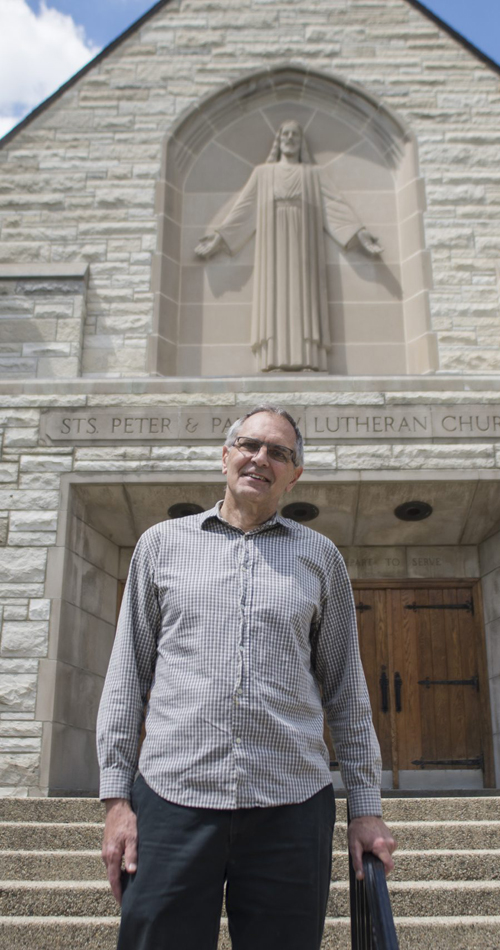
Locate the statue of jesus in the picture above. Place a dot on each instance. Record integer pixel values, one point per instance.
(288, 204)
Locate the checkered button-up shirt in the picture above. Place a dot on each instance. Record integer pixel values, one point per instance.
(219, 624)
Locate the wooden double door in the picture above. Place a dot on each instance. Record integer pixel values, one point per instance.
(422, 647)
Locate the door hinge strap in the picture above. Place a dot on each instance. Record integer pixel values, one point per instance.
(362, 607)
(428, 683)
(468, 605)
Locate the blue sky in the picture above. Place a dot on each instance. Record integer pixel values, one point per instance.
(44, 42)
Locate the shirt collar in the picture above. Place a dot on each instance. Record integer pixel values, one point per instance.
(214, 514)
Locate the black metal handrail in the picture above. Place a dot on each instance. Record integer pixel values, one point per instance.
(372, 923)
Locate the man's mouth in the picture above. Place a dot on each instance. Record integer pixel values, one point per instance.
(255, 477)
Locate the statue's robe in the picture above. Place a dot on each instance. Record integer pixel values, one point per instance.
(289, 207)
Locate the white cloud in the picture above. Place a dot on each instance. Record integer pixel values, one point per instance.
(38, 53)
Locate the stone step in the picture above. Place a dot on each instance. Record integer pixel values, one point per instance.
(412, 836)
(455, 865)
(52, 809)
(408, 898)
(395, 809)
(433, 865)
(79, 933)
(55, 865)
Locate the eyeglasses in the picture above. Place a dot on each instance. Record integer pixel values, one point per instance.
(278, 453)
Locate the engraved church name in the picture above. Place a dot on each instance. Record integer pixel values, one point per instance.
(319, 423)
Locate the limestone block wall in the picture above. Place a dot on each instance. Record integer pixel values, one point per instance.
(78, 182)
(42, 311)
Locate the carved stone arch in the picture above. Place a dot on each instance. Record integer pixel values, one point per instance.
(378, 308)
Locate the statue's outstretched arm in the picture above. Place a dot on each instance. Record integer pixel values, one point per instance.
(237, 227)
(209, 245)
(369, 242)
(342, 223)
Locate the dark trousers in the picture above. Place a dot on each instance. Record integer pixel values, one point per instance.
(276, 863)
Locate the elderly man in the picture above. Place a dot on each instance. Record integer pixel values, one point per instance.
(242, 625)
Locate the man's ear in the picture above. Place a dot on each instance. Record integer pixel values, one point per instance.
(225, 452)
(296, 476)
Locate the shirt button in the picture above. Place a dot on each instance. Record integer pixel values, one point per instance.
(240, 691)
(238, 740)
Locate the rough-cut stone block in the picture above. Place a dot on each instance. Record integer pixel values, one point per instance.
(364, 457)
(28, 638)
(28, 499)
(10, 744)
(19, 769)
(22, 566)
(31, 538)
(45, 463)
(19, 438)
(444, 456)
(8, 472)
(15, 612)
(17, 692)
(39, 609)
(19, 417)
(20, 728)
(33, 521)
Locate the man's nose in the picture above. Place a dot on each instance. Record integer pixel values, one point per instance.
(261, 456)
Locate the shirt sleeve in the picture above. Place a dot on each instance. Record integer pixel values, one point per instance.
(345, 696)
(129, 677)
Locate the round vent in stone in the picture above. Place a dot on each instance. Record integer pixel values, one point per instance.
(300, 511)
(183, 508)
(413, 511)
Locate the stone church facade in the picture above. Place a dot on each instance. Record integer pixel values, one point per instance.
(124, 357)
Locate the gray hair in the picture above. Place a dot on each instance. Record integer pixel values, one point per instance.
(277, 411)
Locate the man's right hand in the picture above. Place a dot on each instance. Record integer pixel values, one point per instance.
(120, 839)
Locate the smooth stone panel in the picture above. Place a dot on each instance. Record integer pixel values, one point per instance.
(219, 281)
(491, 596)
(90, 588)
(492, 635)
(77, 696)
(495, 703)
(217, 169)
(436, 779)
(85, 641)
(439, 561)
(361, 281)
(374, 323)
(489, 554)
(368, 359)
(249, 137)
(93, 546)
(215, 324)
(204, 210)
(73, 761)
(222, 360)
(371, 562)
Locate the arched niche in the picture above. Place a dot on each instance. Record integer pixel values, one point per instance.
(378, 308)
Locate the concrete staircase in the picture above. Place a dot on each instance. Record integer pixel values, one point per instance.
(445, 892)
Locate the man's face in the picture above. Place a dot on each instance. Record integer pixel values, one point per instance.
(290, 138)
(260, 479)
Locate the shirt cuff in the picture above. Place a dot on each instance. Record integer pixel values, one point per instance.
(364, 801)
(116, 783)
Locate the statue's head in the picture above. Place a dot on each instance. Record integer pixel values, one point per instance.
(289, 140)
